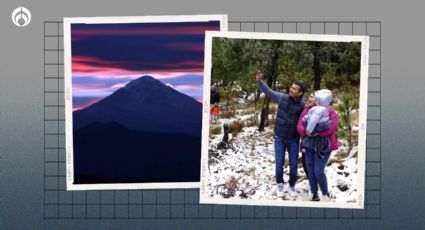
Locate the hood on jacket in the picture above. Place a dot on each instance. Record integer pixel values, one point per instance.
(323, 97)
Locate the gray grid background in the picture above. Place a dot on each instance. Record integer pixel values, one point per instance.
(184, 203)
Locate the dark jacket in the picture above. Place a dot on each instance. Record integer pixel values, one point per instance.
(288, 112)
(214, 97)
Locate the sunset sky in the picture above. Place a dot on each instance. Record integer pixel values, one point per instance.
(107, 56)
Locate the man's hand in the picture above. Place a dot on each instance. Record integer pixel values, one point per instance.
(258, 75)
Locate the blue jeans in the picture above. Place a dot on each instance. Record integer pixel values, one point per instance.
(280, 147)
(316, 170)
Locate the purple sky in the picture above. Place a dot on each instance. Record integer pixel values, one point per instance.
(107, 56)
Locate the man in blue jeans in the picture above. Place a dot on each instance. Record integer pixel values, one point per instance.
(286, 136)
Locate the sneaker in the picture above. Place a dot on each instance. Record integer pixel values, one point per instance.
(292, 191)
(280, 192)
(306, 196)
(315, 197)
(327, 197)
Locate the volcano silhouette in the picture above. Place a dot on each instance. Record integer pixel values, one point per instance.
(144, 132)
(145, 104)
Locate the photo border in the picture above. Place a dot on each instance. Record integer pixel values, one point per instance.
(364, 65)
(68, 94)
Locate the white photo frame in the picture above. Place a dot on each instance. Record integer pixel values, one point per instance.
(69, 95)
(207, 196)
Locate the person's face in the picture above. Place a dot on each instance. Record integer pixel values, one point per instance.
(311, 101)
(295, 91)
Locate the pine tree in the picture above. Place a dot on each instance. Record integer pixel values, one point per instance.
(345, 109)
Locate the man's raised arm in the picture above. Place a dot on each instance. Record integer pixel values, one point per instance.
(275, 96)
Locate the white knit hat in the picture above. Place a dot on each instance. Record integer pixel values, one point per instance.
(323, 97)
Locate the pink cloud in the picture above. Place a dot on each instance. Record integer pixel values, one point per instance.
(188, 87)
(96, 87)
(83, 66)
(100, 68)
(84, 105)
(117, 86)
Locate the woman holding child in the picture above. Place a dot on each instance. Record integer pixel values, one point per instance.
(317, 127)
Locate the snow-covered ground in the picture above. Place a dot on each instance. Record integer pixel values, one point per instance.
(246, 169)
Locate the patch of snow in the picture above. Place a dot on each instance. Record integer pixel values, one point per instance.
(250, 161)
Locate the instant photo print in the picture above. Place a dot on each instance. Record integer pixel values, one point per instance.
(241, 160)
(134, 92)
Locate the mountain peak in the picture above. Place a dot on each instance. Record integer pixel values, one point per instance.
(143, 104)
(146, 79)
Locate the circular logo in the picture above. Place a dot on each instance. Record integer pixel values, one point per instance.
(21, 16)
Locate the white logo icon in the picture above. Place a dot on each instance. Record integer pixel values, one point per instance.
(21, 16)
